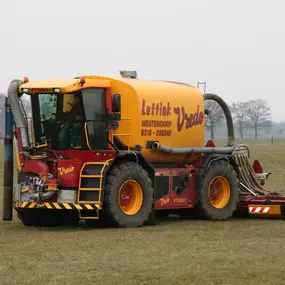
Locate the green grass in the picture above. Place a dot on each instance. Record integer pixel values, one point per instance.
(173, 252)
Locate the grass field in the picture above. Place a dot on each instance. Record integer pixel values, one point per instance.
(173, 252)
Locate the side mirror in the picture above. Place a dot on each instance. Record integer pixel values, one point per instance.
(116, 103)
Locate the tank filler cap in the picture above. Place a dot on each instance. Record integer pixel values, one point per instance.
(129, 74)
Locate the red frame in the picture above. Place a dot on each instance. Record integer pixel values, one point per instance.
(187, 198)
(76, 159)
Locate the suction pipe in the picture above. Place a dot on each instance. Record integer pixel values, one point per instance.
(206, 150)
(227, 113)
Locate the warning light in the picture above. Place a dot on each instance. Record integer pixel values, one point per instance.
(26, 80)
(82, 79)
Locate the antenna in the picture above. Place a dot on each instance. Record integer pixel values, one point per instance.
(202, 83)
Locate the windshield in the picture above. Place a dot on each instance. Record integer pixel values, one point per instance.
(46, 105)
(59, 119)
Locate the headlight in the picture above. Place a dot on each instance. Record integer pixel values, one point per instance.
(57, 90)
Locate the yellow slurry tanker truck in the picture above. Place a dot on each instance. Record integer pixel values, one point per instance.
(123, 150)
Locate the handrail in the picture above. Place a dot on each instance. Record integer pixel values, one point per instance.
(86, 135)
(124, 134)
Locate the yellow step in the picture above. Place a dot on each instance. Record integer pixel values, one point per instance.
(90, 202)
(91, 176)
(90, 189)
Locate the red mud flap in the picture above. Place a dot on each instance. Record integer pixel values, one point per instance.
(273, 211)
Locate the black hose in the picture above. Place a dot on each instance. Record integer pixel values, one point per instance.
(191, 150)
(228, 115)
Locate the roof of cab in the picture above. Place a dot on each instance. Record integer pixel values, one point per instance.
(66, 85)
(73, 84)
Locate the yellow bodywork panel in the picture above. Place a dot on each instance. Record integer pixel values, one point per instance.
(170, 113)
(68, 102)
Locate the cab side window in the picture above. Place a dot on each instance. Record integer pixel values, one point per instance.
(94, 101)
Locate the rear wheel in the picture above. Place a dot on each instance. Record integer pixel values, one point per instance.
(128, 196)
(219, 191)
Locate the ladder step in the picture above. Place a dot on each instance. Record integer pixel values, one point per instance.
(95, 216)
(97, 203)
(91, 176)
(89, 218)
(90, 189)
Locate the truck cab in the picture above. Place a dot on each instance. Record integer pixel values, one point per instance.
(63, 143)
(69, 114)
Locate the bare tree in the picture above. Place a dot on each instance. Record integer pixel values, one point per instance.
(214, 117)
(259, 114)
(240, 115)
(279, 128)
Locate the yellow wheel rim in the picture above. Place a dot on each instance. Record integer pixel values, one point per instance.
(130, 197)
(219, 192)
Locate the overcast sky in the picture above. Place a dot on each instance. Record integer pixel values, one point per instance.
(238, 47)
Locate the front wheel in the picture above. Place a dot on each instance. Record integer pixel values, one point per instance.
(128, 196)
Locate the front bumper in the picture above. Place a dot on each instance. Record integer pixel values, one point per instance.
(57, 206)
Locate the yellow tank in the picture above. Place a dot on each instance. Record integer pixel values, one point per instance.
(167, 112)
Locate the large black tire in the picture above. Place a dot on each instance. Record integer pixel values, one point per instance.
(112, 212)
(228, 175)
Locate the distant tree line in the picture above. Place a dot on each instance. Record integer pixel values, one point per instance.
(252, 115)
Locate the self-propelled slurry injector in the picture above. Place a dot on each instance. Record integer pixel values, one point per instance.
(123, 151)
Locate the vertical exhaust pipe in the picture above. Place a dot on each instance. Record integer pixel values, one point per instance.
(13, 101)
(13, 113)
(8, 164)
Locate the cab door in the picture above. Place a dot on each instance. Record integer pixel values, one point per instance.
(96, 126)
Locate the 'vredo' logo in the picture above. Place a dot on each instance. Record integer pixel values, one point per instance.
(189, 120)
(63, 171)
